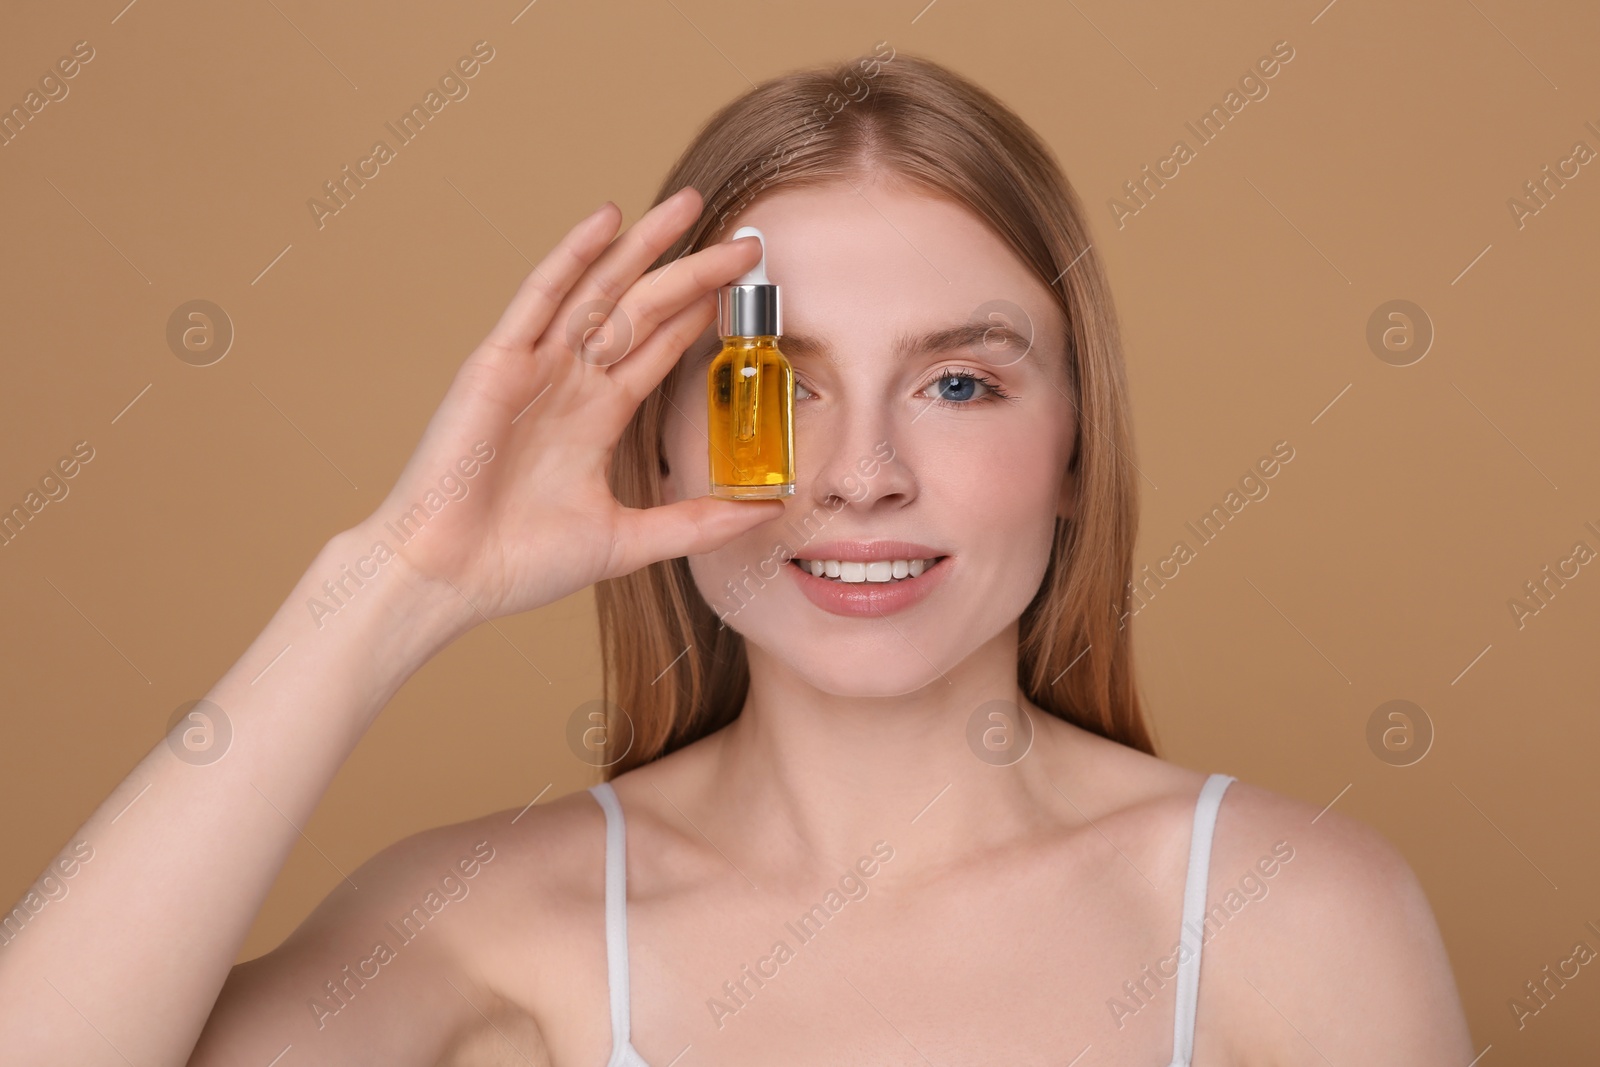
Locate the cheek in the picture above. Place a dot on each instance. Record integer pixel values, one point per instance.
(996, 496)
(999, 482)
(736, 580)
(711, 574)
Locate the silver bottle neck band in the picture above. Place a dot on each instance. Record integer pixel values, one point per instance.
(749, 311)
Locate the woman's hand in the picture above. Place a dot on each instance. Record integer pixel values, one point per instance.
(538, 520)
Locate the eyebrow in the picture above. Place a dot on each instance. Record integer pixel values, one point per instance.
(965, 335)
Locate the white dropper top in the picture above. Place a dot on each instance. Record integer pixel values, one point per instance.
(756, 275)
(750, 306)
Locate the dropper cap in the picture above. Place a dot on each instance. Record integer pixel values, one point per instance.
(750, 306)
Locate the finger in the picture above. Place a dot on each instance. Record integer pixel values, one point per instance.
(648, 363)
(541, 292)
(639, 246)
(604, 283)
(687, 528)
(660, 295)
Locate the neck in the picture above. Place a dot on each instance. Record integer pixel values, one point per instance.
(820, 777)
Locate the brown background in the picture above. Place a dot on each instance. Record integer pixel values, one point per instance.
(1379, 567)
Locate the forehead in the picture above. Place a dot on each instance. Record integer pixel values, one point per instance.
(874, 261)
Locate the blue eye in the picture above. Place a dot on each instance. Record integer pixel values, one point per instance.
(953, 388)
(958, 387)
(963, 388)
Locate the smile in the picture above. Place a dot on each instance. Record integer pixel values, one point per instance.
(878, 570)
(866, 588)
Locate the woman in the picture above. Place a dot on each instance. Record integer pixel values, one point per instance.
(907, 820)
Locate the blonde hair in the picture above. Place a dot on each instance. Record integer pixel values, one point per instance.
(902, 117)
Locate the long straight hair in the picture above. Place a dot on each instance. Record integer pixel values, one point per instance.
(910, 119)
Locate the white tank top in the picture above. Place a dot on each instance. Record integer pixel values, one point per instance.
(623, 1054)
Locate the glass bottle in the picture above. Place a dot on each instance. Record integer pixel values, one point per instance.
(750, 390)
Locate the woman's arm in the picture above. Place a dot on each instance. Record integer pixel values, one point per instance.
(181, 855)
(503, 507)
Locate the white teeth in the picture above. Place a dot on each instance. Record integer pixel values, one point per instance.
(878, 570)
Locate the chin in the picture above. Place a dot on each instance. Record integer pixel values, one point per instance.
(862, 657)
(846, 667)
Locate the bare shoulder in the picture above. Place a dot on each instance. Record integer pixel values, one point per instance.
(415, 954)
(1319, 942)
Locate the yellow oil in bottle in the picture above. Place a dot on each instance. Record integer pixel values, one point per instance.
(750, 388)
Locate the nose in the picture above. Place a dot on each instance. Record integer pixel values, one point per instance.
(849, 455)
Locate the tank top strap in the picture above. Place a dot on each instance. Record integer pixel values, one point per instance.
(616, 920)
(1191, 933)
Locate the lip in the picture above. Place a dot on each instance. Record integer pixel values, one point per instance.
(867, 599)
(868, 551)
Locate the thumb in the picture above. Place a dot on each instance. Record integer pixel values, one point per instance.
(688, 528)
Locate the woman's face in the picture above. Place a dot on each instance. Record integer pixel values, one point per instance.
(958, 449)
